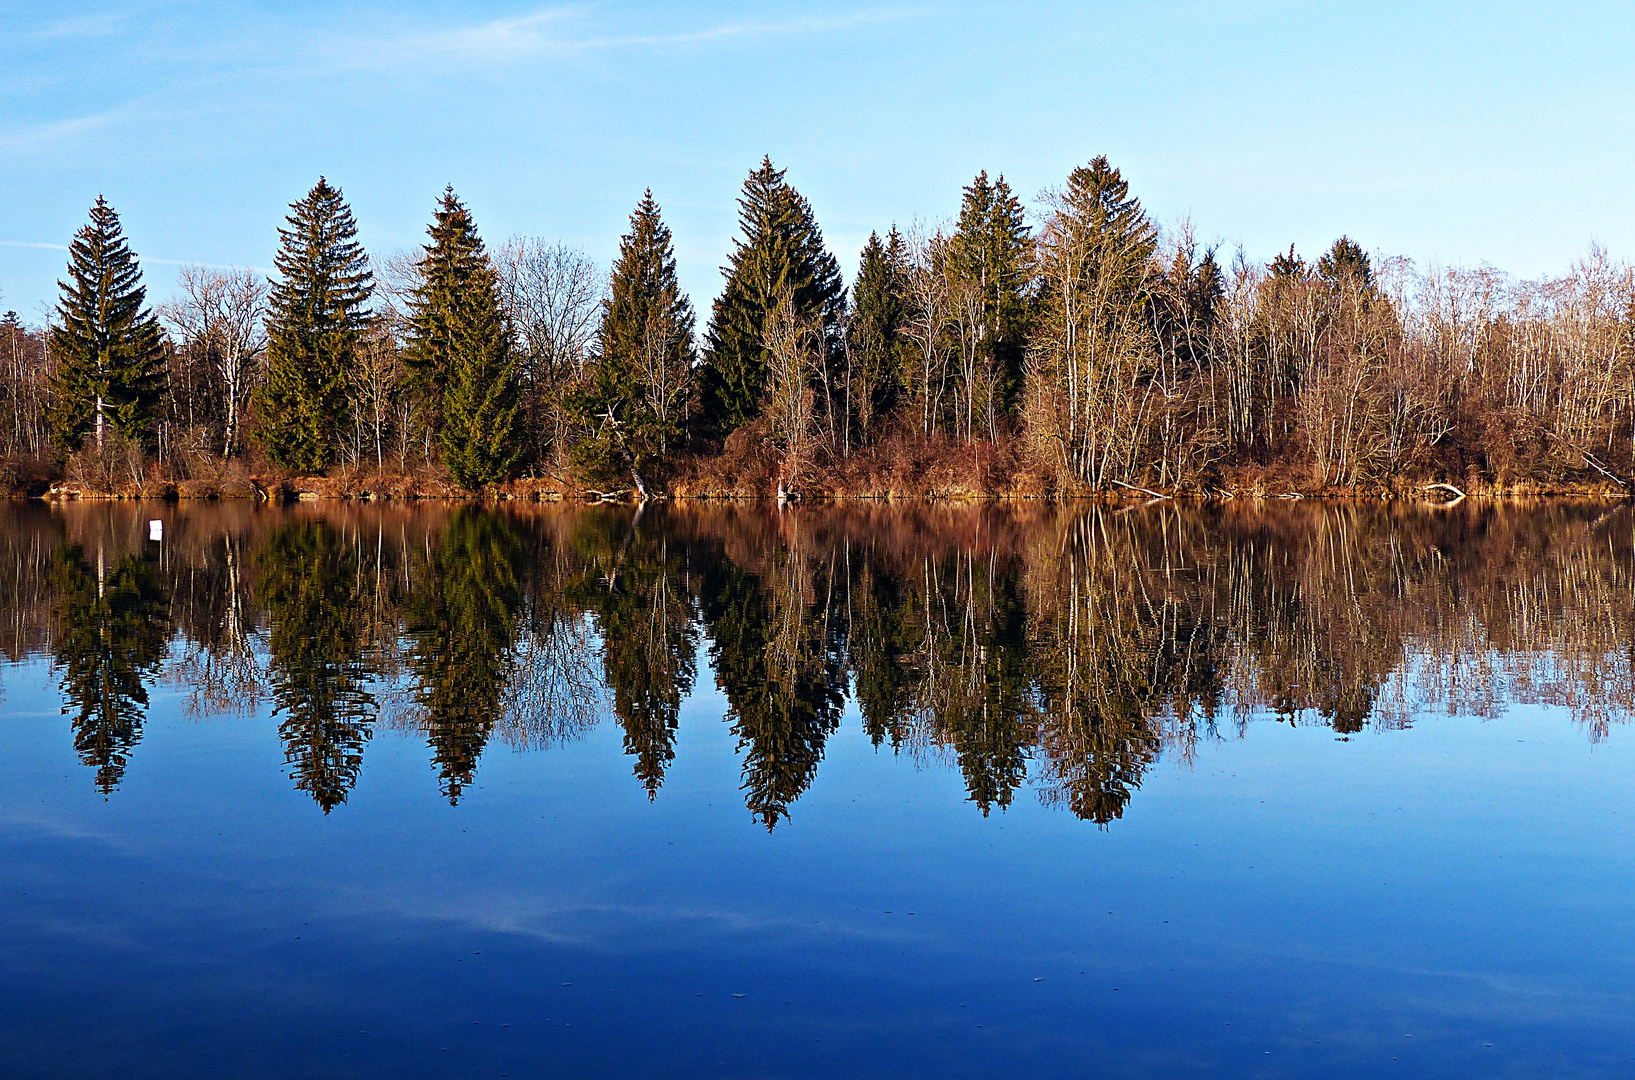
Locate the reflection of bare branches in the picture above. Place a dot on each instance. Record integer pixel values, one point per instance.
(555, 695)
(223, 673)
(231, 683)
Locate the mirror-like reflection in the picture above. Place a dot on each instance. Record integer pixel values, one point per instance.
(114, 630)
(1055, 649)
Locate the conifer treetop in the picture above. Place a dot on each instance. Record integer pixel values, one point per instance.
(108, 344)
(317, 311)
(780, 249)
(322, 268)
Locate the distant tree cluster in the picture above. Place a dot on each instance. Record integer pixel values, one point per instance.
(1080, 344)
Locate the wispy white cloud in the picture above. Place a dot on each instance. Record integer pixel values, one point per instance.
(498, 40)
(103, 23)
(559, 30)
(154, 260)
(28, 138)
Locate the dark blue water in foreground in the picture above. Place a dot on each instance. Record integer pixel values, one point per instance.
(1328, 791)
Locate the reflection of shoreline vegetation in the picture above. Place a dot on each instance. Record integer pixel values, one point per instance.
(317, 665)
(461, 626)
(113, 641)
(644, 616)
(1062, 649)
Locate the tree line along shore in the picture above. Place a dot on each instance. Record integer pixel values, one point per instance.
(1071, 349)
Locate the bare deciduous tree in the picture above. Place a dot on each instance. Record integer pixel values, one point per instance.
(553, 296)
(218, 319)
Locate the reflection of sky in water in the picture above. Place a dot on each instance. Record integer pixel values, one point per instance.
(1278, 902)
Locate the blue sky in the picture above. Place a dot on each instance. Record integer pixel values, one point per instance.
(1471, 133)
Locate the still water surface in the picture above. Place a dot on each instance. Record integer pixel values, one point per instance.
(362, 791)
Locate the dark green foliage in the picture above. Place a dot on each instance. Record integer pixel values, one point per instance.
(958, 653)
(108, 346)
(990, 250)
(461, 627)
(992, 725)
(781, 247)
(1185, 298)
(785, 685)
(1123, 238)
(112, 642)
(1346, 263)
(459, 356)
(315, 319)
(885, 632)
(317, 664)
(875, 345)
(636, 403)
(649, 632)
(1287, 268)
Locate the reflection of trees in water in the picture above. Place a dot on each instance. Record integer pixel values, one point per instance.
(220, 670)
(649, 634)
(461, 629)
(778, 656)
(943, 655)
(309, 581)
(1056, 647)
(110, 642)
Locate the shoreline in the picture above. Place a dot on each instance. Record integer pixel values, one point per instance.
(286, 497)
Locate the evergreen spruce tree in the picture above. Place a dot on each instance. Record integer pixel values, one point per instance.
(1287, 268)
(782, 247)
(315, 320)
(459, 357)
(878, 313)
(990, 249)
(108, 346)
(1346, 263)
(635, 404)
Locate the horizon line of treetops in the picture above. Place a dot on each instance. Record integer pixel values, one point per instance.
(1094, 349)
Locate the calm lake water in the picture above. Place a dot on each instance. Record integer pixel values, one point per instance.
(425, 791)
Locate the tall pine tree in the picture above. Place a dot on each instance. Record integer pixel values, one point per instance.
(459, 357)
(874, 328)
(991, 251)
(108, 346)
(316, 319)
(1346, 263)
(782, 247)
(636, 402)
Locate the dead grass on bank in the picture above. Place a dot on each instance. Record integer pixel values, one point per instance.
(905, 466)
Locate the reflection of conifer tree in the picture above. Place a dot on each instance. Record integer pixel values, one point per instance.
(1118, 651)
(462, 625)
(114, 630)
(309, 579)
(649, 647)
(949, 645)
(780, 667)
(987, 716)
(882, 631)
